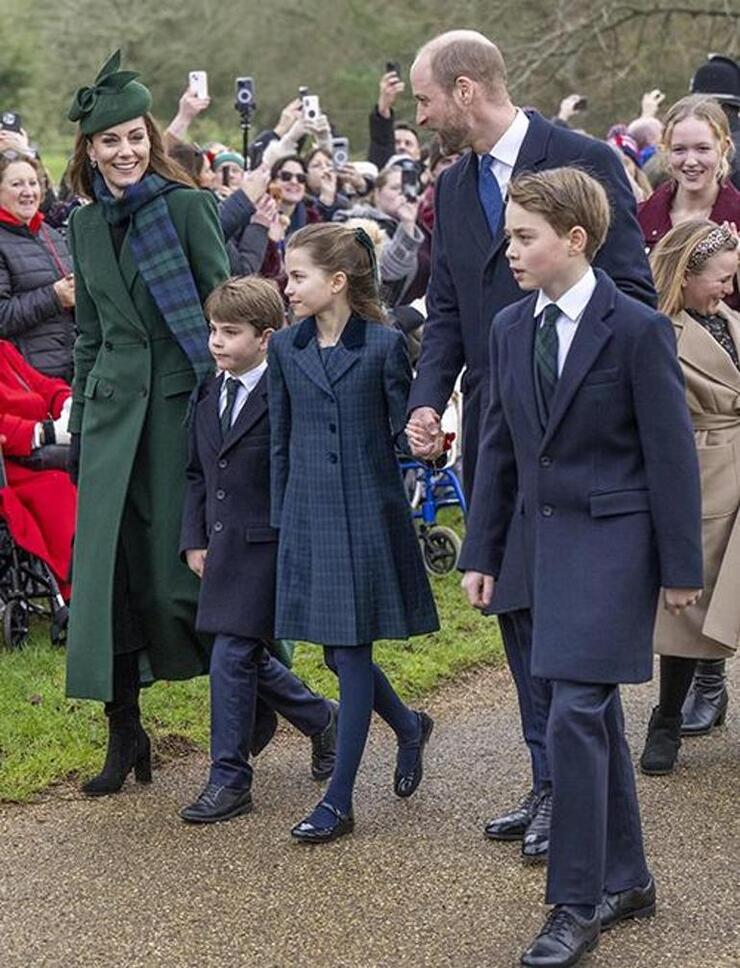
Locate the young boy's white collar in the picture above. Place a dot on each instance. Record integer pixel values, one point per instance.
(574, 300)
(251, 378)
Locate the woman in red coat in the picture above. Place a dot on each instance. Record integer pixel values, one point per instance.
(698, 149)
(39, 506)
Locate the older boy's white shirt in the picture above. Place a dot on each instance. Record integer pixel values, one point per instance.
(506, 151)
(571, 305)
(247, 382)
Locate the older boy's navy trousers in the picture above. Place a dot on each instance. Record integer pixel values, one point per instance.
(595, 835)
(239, 668)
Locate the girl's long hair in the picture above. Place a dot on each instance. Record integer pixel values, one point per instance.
(81, 172)
(671, 257)
(336, 248)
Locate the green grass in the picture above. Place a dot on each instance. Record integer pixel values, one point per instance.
(45, 738)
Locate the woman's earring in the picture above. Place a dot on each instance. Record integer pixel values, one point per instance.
(93, 163)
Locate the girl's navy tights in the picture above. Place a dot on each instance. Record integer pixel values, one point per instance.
(363, 688)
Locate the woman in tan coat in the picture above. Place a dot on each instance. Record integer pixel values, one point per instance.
(694, 267)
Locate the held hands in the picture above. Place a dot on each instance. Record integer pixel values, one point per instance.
(677, 599)
(424, 434)
(64, 289)
(196, 559)
(479, 588)
(391, 86)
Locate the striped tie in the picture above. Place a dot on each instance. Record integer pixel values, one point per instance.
(546, 354)
(232, 386)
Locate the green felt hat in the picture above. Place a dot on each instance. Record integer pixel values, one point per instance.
(116, 97)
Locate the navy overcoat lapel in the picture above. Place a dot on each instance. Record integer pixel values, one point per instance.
(468, 201)
(308, 358)
(210, 419)
(591, 336)
(521, 337)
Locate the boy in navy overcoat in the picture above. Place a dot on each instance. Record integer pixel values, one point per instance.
(586, 502)
(227, 540)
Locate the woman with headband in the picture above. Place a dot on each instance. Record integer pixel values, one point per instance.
(694, 267)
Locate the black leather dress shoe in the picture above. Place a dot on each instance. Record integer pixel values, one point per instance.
(217, 803)
(513, 825)
(536, 840)
(637, 902)
(324, 746)
(308, 833)
(563, 941)
(404, 784)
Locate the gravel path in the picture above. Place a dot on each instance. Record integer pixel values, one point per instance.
(122, 882)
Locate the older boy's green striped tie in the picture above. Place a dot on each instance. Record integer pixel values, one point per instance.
(232, 386)
(546, 354)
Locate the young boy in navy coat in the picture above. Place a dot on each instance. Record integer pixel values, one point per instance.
(227, 540)
(586, 501)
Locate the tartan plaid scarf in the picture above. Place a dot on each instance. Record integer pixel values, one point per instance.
(160, 259)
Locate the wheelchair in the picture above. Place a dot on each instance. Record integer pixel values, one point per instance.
(28, 588)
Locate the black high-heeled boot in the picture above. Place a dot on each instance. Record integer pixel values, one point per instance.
(129, 747)
(706, 703)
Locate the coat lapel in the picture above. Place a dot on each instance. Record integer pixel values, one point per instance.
(97, 237)
(210, 416)
(255, 407)
(521, 336)
(701, 351)
(129, 269)
(468, 201)
(590, 338)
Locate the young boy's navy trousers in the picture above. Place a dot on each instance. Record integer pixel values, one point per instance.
(238, 666)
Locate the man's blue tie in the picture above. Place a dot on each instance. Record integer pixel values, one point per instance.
(489, 193)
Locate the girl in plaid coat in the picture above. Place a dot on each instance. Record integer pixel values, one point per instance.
(349, 566)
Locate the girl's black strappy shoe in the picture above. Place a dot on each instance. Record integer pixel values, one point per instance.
(308, 833)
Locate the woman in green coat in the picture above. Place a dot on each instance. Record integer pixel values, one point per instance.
(147, 252)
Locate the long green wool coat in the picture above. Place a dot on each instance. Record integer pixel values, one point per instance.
(131, 389)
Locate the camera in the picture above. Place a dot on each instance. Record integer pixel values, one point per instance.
(410, 181)
(311, 110)
(340, 152)
(393, 67)
(10, 121)
(581, 104)
(244, 101)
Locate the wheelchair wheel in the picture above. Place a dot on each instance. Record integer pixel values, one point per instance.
(15, 623)
(440, 548)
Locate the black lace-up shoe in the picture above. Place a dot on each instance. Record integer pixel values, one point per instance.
(563, 941)
(537, 836)
(513, 825)
(217, 803)
(324, 746)
(637, 902)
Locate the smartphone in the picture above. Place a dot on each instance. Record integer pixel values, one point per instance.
(340, 151)
(11, 121)
(410, 183)
(198, 82)
(225, 173)
(311, 109)
(302, 91)
(581, 104)
(393, 67)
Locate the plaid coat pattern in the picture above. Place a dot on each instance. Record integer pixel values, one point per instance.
(349, 566)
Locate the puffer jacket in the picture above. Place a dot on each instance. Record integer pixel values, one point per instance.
(30, 314)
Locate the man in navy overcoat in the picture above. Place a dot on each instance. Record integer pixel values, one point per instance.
(459, 82)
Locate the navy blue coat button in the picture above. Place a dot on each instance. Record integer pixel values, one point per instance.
(218, 526)
(223, 463)
(333, 458)
(220, 494)
(333, 428)
(548, 510)
(545, 461)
